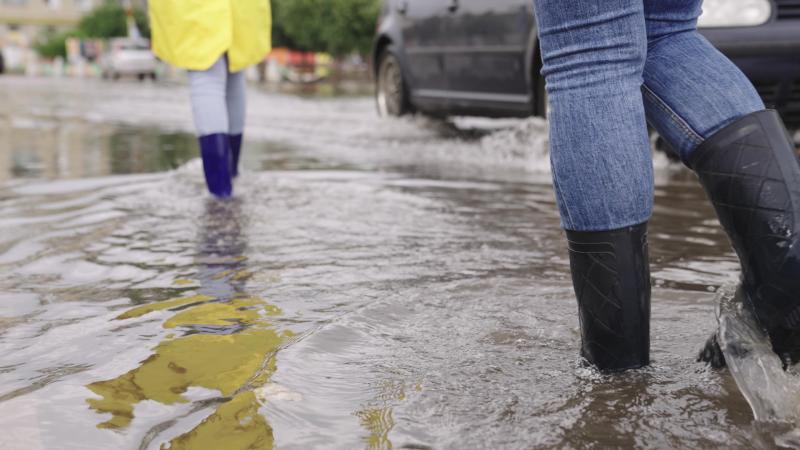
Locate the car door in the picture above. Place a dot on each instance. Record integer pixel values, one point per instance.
(423, 40)
(486, 53)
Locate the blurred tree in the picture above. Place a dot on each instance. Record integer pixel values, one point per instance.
(142, 21)
(280, 37)
(52, 44)
(352, 26)
(338, 27)
(109, 20)
(106, 21)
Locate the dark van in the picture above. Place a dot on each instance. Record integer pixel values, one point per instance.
(480, 57)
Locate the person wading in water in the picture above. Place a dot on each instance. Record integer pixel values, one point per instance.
(612, 67)
(215, 40)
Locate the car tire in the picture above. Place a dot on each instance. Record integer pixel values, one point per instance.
(542, 102)
(391, 92)
(659, 144)
(153, 76)
(2, 63)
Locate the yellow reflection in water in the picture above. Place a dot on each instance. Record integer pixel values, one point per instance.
(378, 421)
(161, 306)
(223, 361)
(211, 361)
(223, 340)
(246, 311)
(236, 424)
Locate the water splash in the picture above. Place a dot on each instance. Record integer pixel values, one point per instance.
(772, 392)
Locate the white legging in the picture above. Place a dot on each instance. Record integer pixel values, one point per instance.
(218, 99)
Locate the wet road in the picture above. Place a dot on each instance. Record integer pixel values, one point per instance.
(375, 284)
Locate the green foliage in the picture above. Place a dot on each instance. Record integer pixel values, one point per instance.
(142, 21)
(280, 36)
(106, 21)
(353, 26)
(52, 44)
(334, 26)
(109, 20)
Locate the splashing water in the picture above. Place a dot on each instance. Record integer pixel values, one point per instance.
(772, 392)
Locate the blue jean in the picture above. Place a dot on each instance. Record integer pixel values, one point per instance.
(612, 66)
(218, 99)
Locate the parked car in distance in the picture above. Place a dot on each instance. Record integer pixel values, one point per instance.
(2, 62)
(129, 57)
(481, 57)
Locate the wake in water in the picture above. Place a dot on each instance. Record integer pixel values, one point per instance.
(771, 389)
(772, 392)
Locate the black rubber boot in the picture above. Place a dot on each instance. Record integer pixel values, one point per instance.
(752, 176)
(611, 275)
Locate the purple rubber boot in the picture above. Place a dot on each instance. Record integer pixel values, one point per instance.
(216, 152)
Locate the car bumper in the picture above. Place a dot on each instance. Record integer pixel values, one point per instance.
(134, 68)
(775, 38)
(768, 55)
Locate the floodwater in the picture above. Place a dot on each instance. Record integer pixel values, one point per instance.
(375, 284)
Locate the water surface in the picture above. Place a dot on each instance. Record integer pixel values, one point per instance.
(374, 284)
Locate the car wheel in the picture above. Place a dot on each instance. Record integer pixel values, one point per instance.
(153, 76)
(391, 93)
(660, 144)
(542, 101)
(140, 76)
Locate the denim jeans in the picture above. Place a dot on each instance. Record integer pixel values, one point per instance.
(218, 99)
(612, 66)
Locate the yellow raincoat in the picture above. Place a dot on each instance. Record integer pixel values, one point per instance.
(193, 34)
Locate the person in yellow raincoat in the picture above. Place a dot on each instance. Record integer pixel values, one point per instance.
(215, 40)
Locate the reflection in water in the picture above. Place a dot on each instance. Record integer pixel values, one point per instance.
(225, 342)
(33, 147)
(378, 420)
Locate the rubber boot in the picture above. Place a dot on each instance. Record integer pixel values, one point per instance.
(752, 176)
(216, 152)
(236, 149)
(611, 275)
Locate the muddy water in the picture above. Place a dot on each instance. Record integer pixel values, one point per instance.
(374, 285)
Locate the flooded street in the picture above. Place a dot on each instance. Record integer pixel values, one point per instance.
(375, 284)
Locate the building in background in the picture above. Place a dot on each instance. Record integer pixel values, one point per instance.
(27, 18)
(22, 21)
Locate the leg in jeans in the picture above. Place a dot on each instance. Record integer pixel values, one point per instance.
(691, 90)
(208, 91)
(594, 54)
(711, 114)
(237, 105)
